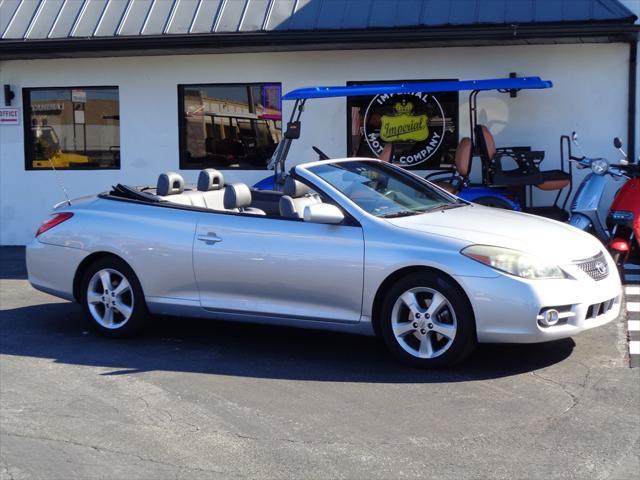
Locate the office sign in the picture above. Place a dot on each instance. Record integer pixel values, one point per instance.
(9, 116)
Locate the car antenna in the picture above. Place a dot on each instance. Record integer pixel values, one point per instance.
(59, 180)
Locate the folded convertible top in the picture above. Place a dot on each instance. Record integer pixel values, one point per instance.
(126, 191)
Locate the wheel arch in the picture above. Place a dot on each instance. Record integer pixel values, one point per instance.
(398, 274)
(82, 268)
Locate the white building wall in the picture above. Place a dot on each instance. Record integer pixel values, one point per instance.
(634, 6)
(589, 96)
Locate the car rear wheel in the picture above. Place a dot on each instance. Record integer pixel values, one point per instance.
(112, 298)
(427, 321)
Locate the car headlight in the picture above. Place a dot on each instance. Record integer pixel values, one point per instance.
(599, 166)
(514, 262)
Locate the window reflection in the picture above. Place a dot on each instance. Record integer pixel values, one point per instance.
(230, 126)
(72, 128)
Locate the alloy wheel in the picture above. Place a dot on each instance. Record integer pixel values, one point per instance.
(110, 298)
(423, 322)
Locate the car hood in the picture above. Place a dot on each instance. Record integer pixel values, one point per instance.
(477, 224)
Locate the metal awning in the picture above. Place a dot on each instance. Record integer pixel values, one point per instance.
(522, 83)
(85, 28)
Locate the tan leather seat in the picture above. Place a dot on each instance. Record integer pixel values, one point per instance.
(552, 179)
(296, 197)
(237, 198)
(211, 188)
(170, 187)
(464, 152)
(557, 184)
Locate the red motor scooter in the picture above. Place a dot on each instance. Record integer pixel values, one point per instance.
(623, 220)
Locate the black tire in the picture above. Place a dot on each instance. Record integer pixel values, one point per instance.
(619, 260)
(493, 202)
(139, 316)
(464, 341)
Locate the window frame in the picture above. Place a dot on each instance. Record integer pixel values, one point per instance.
(182, 143)
(26, 115)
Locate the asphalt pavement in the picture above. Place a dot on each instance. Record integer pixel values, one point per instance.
(200, 399)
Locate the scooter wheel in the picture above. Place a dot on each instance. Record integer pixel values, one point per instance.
(619, 259)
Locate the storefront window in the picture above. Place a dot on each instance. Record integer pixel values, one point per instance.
(72, 128)
(229, 126)
(418, 130)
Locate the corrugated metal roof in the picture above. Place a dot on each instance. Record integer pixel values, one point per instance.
(42, 19)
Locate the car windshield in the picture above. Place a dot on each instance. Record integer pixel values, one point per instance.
(383, 190)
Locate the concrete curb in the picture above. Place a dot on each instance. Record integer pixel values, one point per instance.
(632, 300)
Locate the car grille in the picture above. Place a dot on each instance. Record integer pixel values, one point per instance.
(598, 309)
(596, 267)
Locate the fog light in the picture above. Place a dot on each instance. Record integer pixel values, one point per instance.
(550, 317)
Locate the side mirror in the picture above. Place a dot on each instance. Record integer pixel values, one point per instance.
(323, 213)
(618, 144)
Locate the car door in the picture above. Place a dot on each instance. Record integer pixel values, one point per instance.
(279, 267)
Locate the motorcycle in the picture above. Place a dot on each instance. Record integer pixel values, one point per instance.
(623, 220)
(585, 211)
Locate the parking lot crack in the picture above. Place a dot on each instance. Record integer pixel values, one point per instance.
(575, 399)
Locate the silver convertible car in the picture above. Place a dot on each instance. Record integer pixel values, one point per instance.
(354, 245)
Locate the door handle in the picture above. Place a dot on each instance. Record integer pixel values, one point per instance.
(210, 238)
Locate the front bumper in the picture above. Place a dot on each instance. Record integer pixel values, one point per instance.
(507, 309)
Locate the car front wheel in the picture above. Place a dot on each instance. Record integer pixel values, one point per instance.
(112, 298)
(427, 321)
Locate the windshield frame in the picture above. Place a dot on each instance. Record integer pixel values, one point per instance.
(304, 171)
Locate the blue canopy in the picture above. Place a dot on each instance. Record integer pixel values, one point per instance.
(389, 88)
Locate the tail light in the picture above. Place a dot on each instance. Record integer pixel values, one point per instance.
(56, 219)
(619, 245)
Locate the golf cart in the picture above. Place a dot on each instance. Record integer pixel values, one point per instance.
(499, 188)
(240, 137)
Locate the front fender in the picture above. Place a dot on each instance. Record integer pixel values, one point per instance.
(580, 221)
(412, 249)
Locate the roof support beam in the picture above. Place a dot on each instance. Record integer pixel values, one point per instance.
(318, 40)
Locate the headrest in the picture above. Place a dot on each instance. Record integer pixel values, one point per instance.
(237, 195)
(489, 142)
(294, 188)
(463, 157)
(170, 183)
(210, 179)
